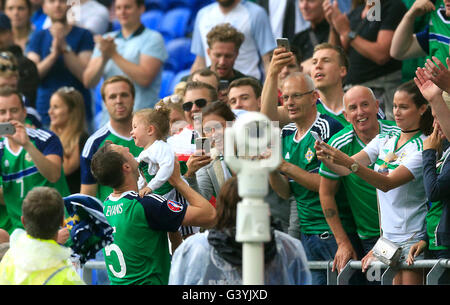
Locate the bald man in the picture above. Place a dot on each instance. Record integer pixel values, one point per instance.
(360, 110)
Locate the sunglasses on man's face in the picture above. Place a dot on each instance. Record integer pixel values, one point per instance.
(200, 103)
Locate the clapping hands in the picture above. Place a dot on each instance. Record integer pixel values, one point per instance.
(106, 45)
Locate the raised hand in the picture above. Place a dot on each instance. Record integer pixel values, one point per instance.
(421, 7)
(438, 73)
(280, 58)
(427, 87)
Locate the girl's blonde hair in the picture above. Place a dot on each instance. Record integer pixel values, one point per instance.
(171, 102)
(9, 65)
(76, 124)
(158, 117)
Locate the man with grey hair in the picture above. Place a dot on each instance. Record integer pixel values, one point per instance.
(360, 110)
(298, 172)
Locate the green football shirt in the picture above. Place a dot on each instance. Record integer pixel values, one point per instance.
(140, 252)
(20, 174)
(302, 153)
(439, 33)
(361, 196)
(337, 116)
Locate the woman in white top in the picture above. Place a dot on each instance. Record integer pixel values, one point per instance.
(397, 173)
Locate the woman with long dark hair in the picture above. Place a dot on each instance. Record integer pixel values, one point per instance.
(397, 174)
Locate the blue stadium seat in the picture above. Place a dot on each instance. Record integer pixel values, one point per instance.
(98, 104)
(175, 23)
(98, 96)
(201, 3)
(162, 5)
(177, 79)
(180, 56)
(166, 82)
(152, 19)
(183, 3)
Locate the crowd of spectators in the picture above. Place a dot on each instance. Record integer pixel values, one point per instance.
(81, 83)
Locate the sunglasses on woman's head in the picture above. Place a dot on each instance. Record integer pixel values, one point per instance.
(66, 89)
(6, 55)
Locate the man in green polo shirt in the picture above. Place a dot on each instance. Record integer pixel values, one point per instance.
(360, 109)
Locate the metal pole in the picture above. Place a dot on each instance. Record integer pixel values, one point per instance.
(253, 264)
(252, 229)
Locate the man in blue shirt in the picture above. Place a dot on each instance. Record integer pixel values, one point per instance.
(61, 54)
(135, 52)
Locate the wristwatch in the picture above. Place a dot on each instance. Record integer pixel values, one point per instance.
(351, 35)
(354, 167)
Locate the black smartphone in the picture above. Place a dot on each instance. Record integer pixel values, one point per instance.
(223, 84)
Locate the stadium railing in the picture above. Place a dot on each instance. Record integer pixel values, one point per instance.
(377, 271)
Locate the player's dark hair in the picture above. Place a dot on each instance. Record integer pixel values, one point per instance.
(106, 166)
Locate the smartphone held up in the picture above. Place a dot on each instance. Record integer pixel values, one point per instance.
(203, 144)
(283, 43)
(7, 129)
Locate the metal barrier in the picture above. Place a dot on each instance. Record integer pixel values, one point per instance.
(437, 269)
(88, 267)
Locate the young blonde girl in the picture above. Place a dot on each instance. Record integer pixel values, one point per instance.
(150, 130)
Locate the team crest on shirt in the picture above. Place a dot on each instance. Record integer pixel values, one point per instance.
(28, 157)
(403, 155)
(174, 206)
(309, 155)
(6, 163)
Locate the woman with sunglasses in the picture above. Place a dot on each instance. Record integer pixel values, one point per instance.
(397, 174)
(179, 135)
(196, 95)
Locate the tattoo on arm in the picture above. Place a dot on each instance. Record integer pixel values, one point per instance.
(329, 213)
